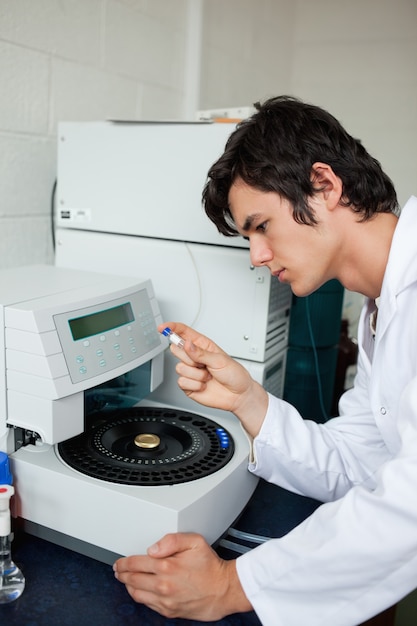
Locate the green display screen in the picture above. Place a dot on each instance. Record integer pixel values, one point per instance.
(88, 325)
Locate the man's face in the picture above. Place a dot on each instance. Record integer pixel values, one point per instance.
(296, 254)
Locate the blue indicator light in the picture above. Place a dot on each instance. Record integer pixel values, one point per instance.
(223, 438)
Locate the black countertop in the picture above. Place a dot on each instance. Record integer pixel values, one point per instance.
(69, 589)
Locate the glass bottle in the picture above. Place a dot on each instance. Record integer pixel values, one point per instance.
(12, 581)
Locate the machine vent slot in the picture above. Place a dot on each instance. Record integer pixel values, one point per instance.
(278, 319)
(277, 338)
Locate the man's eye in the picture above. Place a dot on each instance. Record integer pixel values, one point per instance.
(262, 227)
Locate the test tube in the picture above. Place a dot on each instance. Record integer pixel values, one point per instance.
(173, 337)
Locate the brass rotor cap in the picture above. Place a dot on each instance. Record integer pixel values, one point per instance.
(147, 441)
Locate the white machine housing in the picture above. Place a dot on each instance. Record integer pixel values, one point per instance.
(213, 288)
(45, 370)
(139, 178)
(64, 332)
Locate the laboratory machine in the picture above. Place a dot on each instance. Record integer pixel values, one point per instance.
(98, 465)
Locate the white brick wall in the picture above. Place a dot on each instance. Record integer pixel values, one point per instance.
(357, 59)
(96, 59)
(248, 51)
(74, 60)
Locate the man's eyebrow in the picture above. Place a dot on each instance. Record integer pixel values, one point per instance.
(249, 222)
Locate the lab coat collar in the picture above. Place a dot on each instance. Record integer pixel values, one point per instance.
(401, 270)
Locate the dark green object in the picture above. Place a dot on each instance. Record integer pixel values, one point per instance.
(312, 351)
(325, 307)
(301, 384)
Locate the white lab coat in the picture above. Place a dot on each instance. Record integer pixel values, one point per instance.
(357, 553)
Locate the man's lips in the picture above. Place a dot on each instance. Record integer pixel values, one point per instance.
(279, 273)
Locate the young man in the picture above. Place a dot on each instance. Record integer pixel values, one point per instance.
(315, 206)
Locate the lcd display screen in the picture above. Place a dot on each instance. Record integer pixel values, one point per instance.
(95, 323)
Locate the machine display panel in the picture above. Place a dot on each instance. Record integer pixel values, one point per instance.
(108, 334)
(95, 323)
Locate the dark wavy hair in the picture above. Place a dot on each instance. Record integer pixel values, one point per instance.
(274, 150)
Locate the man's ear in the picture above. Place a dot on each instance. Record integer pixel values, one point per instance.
(326, 182)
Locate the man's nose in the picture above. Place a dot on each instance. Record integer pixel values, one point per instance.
(259, 254)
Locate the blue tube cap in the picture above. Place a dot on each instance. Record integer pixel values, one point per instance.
(5, 474)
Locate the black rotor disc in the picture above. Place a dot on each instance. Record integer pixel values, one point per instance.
(149, 446)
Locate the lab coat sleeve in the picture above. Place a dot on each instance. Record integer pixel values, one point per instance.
(352, 557)
(322, 461)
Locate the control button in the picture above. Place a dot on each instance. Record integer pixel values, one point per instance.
(116, 346)
(117, 333)
(86, 343)
(83, 370)
(79, 358)
(119, 356)
(131, 340)
(102, 363)
(99, 352)
(133, 349)
(102, 337)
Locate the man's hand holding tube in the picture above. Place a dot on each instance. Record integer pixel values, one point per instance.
(181, 575)
(212, 378)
